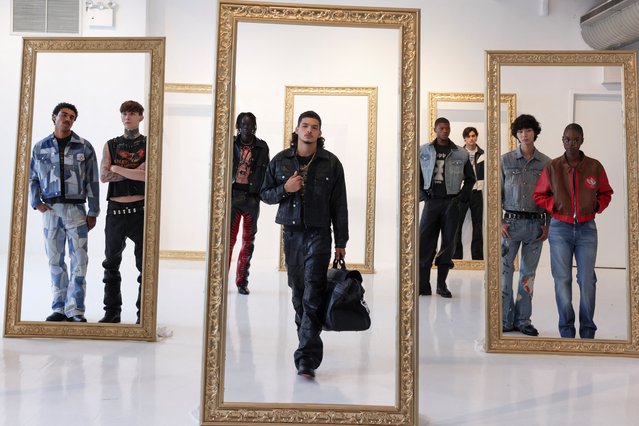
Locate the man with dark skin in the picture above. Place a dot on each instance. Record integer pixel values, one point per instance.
(63, 176)
(573, 188)
(307, 182)
(250, 159)
(444, 168)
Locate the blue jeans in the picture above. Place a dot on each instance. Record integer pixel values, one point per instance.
(67, 224)
(524, 233)
(578, 240)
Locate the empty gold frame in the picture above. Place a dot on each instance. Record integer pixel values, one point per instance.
(434, 98)
(205, 89)
(153, 48)
(214, 408)
(367, 266)
(496, 62)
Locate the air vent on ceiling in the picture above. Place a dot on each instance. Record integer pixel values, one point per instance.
(46, 16)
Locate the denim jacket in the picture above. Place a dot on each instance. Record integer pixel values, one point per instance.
(81, 173)
(519, 178)
(325, 193)
(457, 170)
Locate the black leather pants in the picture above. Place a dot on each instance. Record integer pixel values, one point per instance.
(308, 253)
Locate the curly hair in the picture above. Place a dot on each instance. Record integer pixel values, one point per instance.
(525, 121)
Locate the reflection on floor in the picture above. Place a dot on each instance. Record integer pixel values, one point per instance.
(75, 382)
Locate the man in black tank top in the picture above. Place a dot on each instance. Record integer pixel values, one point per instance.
(123, 167)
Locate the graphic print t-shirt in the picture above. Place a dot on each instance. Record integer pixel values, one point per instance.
(129, 154)
(244, 168)
(438, 186)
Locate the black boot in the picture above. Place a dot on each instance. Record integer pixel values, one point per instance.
(111, 317)
(424, 282)
(442, 289)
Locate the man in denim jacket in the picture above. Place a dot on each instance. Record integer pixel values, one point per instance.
(524, 224)
(444, 170)
(63, 176)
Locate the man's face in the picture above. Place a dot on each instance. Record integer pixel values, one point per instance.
(471, 140)
(131, 120)
(442, 130)
(64, 120)
(247, 129)
(572, 141)
(308, 131)
(526, 136)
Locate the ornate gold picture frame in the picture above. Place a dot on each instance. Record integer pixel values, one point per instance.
(214, 409)
(371, 158)
(434, 98)
(14, 326)
(496, 341)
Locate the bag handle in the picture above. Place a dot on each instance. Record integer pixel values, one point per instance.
(340, 262)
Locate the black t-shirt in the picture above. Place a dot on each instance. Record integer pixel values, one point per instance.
(438, 184)
(129, 154)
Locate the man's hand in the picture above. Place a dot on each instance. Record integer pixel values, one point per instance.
(43, 207)
(340, 253)
(294, 183)
(91, 222)
(544, 233)
(504, 230)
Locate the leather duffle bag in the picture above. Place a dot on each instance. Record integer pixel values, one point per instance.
(346, 309)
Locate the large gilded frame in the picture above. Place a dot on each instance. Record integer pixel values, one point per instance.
(198, 89)
(495, 340)
(13, 327)
(213, 408)
(368, 266)
(510, 99)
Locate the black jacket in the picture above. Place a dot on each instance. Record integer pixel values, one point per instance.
(258, 168)
(325, 193)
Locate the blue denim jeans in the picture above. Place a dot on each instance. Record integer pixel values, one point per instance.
(66, 224)
(578, 240)
(524, 233)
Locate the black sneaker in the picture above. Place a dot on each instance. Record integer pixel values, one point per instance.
(57, 316)
(243, 289)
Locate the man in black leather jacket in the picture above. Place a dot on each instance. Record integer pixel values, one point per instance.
(307, 182)
(250, 158)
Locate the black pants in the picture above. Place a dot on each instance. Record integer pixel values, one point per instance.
(244, 207)
(439, 215)
(308, 253)
(476, 205)
(121, 223)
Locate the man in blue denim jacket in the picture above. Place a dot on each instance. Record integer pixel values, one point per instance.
(444, 168)
(63, 176)
(525, 224)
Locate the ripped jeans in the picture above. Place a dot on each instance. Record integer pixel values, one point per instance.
(524, 233)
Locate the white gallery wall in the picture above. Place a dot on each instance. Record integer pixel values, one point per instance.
(454, 36)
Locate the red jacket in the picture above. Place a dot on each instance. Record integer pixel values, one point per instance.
(561, 188)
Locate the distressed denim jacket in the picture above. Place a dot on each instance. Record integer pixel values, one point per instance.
(80, 174)
(457, 169)
(519, 178)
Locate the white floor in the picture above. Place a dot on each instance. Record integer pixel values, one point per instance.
(78, 382)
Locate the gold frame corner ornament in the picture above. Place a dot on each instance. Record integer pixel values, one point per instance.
(214, 409)
(495, 340)
(13, 326)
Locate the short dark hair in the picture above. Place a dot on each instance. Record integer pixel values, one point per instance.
(308, 114)
(576, 127)
(241, 116)
(131, 106)
(467, 131)
(525, 121)
(441, 120)
(66, 105)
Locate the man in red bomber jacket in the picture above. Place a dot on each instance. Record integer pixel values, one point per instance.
(573, 188)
